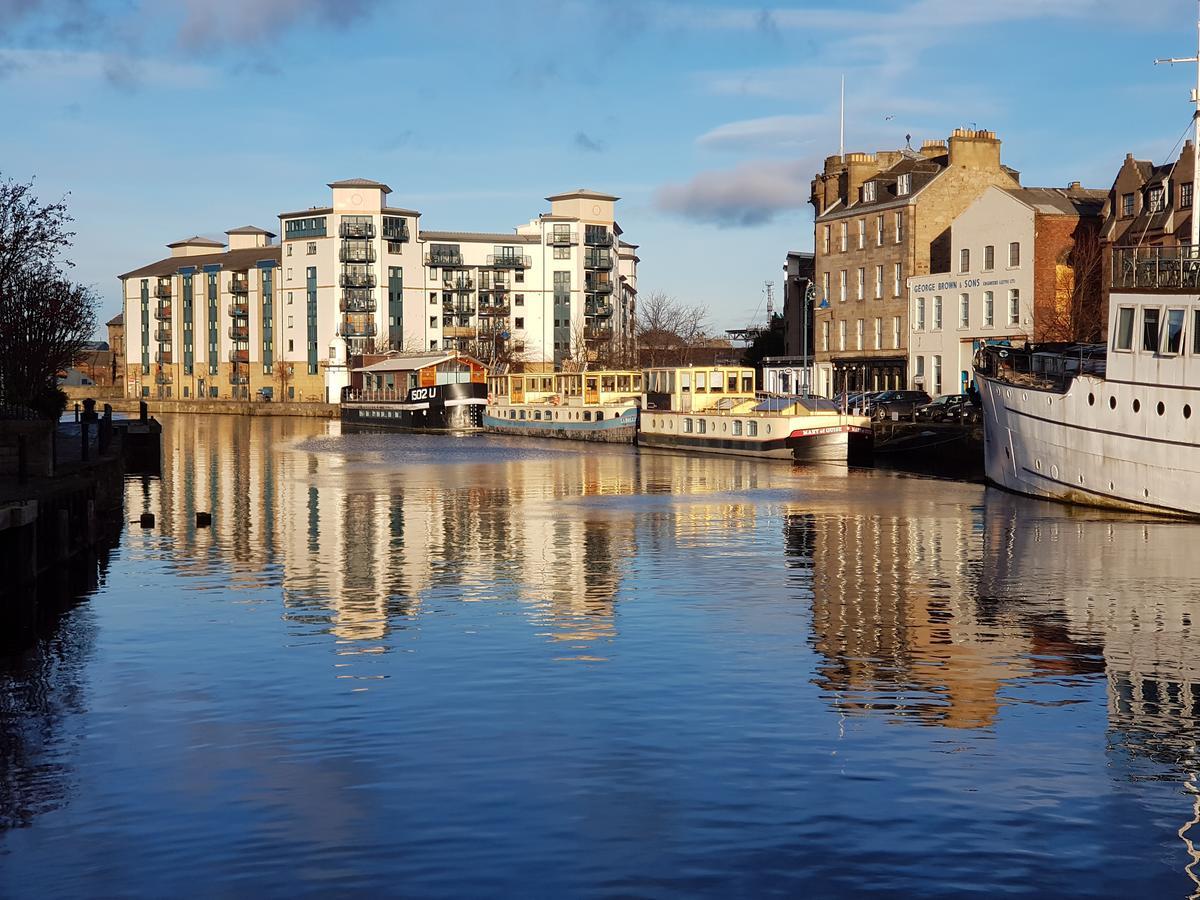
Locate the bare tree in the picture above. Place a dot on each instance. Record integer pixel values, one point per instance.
(1075, 312)
(668, 331)
(45, 318)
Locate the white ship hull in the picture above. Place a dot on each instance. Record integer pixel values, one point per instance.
(1102, 443)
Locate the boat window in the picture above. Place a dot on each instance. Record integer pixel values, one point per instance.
(701, 381)
(1150, 325)
(1196, 332)
(587, 416)
(622, 382)
(1174, 330)
(716, 384)
(1123, 340)
(733, 382)
(637, 382)
(747, 384)
(687, 425)
(599, 416)
(737, 428)
(522, 414)
(703, 425)
(608, 383)
(752, 428)
(685, 382)
(537, 414)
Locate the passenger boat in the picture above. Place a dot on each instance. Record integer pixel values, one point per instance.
(581, 406)
(437, 392)
(716, 410)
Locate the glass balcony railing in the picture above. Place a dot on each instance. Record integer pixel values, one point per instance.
(494, 308)
(601, 261)
(163, 290)
(358, 280)
(239, 356)
(509, 261)
(239, 333)
(562, 238)
(596, 286)
(239, 310)
(597, 333)
(435, 260)
(163, 313)
(356, 329)
(239, 285)
(598, 238)
(357, 254)
(163, 335)
(361, 230)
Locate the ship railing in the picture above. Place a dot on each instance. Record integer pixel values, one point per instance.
(372, 395)
(1156, 268)
(1041, 367)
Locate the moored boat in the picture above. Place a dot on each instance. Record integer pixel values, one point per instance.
(599, 405)
(435, 392)
(717, 410)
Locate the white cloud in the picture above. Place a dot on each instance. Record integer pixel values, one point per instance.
(752, 193)
(771, 132)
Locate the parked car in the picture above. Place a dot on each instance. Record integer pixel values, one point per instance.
(945, 408)
(901, 402)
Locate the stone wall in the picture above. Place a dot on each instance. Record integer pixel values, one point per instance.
(229, 407)
(38, 437)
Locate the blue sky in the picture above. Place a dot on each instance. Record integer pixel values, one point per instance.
(172, 117)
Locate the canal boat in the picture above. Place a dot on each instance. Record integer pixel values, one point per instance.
(434, 392)
(599, 405)
(717, 410)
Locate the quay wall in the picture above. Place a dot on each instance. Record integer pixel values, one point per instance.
(227, 407)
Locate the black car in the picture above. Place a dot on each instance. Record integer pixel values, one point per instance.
(900, 402)
(945, 408)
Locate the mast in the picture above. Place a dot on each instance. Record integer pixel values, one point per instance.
(842, 114)
(1194, 249)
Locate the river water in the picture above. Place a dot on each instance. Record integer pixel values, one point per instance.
(429, 666)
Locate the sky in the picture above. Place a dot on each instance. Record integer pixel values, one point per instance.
(166, 118)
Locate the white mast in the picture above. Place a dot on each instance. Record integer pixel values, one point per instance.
(1195, 237)
(842, 117)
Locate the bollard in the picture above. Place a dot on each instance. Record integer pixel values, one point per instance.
(76, 410)
(142, 411)
(83, 435)
(147, 520)
(203, 519)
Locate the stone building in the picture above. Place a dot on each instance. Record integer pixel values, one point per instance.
(797, 307)
(881, 218)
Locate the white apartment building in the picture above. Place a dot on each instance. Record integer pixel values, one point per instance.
(1010, 256)
(360, 276)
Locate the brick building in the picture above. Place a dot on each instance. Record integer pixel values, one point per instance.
(881, 218)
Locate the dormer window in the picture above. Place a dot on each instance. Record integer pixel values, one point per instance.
(869, 192)
(904, 185)
(1157, 198)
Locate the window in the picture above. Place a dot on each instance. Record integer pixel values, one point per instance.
(879, 282)
(752, 429)
(312, 248)
(919, 315)
(862, 233)
(858, 335)
(937, 375)
(519, 276)
(291, 345)
(989, 258)
(1127, 205)
(1123, 338)
(1014, 307)
(1150, 330)
(869, 192)
(904, 185)
(897, 277)
(687, 426)
(519, 300)
(937, 313)
(519, 322)
(702, 425)
(862, 277)
(1157, 196)
(845, 233)
(1185, 195)
(919, 372)
(737, 428)
(289, 274)
(825, 239)
(1014, 254)
(964, 310)
(964, 260)
(825, 336)
(289, 293)
(899, 226)
(897, 324)
(289, 321)
(844, 279)
(562, 252)
(289, 249)
(825, 285)
(842, 335)
(433, 321)
(989, 309)
(1175, 319)
(879, 231)
(878, 333)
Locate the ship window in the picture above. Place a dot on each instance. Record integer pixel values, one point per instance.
(1174, 330)
(687, 425)
(599, 416)
(703, 425)
(1196, 332)
(1150, 323)
(701, 381)
(587, 416)
(1123, 339)
(715, 382)
(747, 384)
(737, 428)
(732, 382)
(522, 414)
(685, 382)
(752, 428)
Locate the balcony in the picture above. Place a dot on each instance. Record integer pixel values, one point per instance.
(352, 329)
(562, 239)
(393, 232)
(239, 356)
(494, 309)
(163, 313)
(596, 308)
(601, 261)
(163, 290)
(358, 280)
(359, 230)
(1156, 268)
(458, 284)
(163, 335)
(357, 254)
(460, 331)
(163, 357)
(597, 333)
(239, 379)
(509, 261)
(239, 311)
(598, 238)
(163, 378)
(596, 286)
(239, 332)
(357, 305)
(239, 285)
(434, 260)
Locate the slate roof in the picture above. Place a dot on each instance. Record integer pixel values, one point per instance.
(234, 260)
(468, 236)
(118, 319)
(582, 192)
(360, 183)
(196, 239)
(1062, 201)
(250, 229)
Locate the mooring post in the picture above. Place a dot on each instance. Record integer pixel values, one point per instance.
(83, 436)
(76, 410)
(143, 410)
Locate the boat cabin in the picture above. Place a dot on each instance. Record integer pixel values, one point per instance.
(394, 376)
(695, 389)
(565, 388)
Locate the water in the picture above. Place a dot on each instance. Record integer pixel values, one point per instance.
(477, 667)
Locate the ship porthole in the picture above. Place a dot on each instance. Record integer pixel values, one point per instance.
(1160, 408)
(1081, 479)
(1112, 402)
(1024, 396)
(1145, 492)
(1037, 464)
(1187, 411)
(1008, 394)
(1091, 399)
(1054, 471)
(1137, 405)
(1049, 400)
(768, 429)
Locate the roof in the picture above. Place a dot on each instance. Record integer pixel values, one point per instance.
(921, 172)
(628, 245)
(311, 211)
(118, 319)
(499, 237)
(584, 193)
(360, 183)
(410, 362)
(1061, 201)
(196, 239)
(404, 212)
(245, 258)
(250, 229)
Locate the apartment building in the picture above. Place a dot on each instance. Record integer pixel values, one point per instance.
(1024, 268)
(360, 275)
(882, 218)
